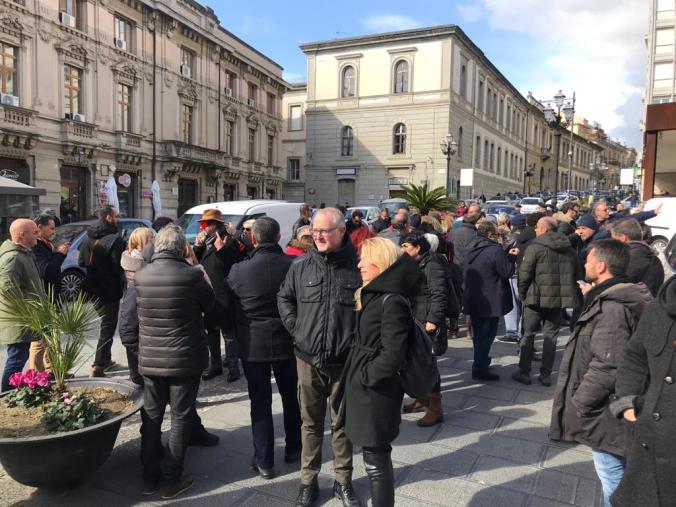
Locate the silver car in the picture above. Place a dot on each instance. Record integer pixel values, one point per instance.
(72, 275)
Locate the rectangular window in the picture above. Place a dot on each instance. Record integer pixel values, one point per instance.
(251, 94)
(229, 136)
(230, 84)
(72, 86)
(509, 118)
(499, 161)
(186, 124)
(271, 150)
(501, 110)
(293, 169)
(8, 67)
(477, 152)
(123, 33)
(460, 143)
(252, 144)
(295, 118)
(489, 102)
(187, 62)
(492, 161)
(72, 14)
(664, 41)
(271, 103)
(485, 155)
(665, 9)
(124, 107)
(480, 102)
(463, 78)
(495, 107)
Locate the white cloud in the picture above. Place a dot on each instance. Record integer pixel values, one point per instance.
(594, 48)
(294, 77)
(470, 13)
(389, 23)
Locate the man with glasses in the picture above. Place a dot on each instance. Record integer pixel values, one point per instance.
(100, 254)
(316, 304)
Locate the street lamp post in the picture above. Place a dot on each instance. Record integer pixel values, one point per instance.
(449, 147)
(528, 173)
(557, 119)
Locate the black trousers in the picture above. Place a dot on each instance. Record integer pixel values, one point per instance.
(181, 394)
(551, 321)
(260, 394)
(108, 326)
(214, 344)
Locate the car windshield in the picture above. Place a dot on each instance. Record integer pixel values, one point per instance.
(392, 207)
(495, 210)
(68, 232)
(191, 224)
(530, 201)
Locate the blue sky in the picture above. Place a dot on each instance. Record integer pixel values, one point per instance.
(594, 48)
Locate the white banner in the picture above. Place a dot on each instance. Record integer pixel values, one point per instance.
(467, 177)
(627, 176)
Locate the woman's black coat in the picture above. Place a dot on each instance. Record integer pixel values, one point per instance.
(646, 381)
(431, 303)
(373, 395)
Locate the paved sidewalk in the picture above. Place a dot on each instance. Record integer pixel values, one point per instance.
(492, 450)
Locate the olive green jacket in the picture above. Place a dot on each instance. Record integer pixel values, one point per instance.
(18, 269)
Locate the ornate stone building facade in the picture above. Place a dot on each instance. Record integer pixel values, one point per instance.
(140, 91)
(378, 107)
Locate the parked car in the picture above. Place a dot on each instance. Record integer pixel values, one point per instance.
(496, 202)
(72, 274)
(238, 212)
(495, 210)
(370, 213)
(663, 226)
(393, 205)
(530, 204)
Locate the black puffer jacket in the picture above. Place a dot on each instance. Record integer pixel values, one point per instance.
(49, 263)
(462, 238)
(646, 381)
(316, 304)
(100, 254)
(524, 237)
(172, 295)
(373, 394)
(549, 272)
(588, 370)
(644, 266)
(255, 283)
(431, 303)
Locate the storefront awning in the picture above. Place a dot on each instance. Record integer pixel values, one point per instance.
(11, 187)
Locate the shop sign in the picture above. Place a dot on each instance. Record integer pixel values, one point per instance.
(124, 180)
(9, 174)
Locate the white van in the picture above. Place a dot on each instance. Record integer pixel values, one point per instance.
(663, 226)
(238, 212)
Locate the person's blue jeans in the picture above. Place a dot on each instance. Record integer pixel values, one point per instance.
(610, 469)
(17, 355)
(484, 330)
(513, 318)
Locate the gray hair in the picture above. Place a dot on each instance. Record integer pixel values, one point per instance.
(337, 218)
(170, 239)
(265, 230)
(503, 218)
(595, 205)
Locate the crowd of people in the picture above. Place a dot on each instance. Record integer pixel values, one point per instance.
(333, 315)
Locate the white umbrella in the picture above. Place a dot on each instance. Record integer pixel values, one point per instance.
(111, 192)
(157, 200)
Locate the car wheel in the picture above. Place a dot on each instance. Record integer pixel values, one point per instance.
(71, 282)
(659, 243)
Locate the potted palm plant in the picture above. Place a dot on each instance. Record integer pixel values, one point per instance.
(422, 196)
(56, 433)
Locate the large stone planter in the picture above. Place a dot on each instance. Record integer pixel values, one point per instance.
(64, 459)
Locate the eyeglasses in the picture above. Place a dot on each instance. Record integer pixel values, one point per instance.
(323, 232)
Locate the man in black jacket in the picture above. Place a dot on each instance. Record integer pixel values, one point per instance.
(644, 266)
(49, 260)
(465, 235)
(316, 304)
(383, 221)
(265, 344)
(100, 255)
(217, 251)
(171, 298)
(304, 219)
(547, 283)
(611, 311)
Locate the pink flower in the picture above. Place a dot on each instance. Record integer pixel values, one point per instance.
(68, 401)
(30, 379)
(15, 379)
(43, 379)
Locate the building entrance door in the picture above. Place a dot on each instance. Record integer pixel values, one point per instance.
(187, 195)
(346, 192)
(73, 194)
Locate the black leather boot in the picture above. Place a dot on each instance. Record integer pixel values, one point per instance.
(381, 476)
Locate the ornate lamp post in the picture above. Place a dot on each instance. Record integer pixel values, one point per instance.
(449, 147)
(528, 173)
(557, 119)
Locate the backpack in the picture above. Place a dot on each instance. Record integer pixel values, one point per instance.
(419, 375)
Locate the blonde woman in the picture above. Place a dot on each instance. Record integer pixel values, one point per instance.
(132, 261)
(373, 395)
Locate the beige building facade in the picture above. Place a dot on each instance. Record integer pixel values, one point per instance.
(139, 91)
(379, 106)
(294, 142)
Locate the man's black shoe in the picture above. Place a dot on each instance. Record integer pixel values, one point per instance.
(210, 373)
(202, 438)
(173, 488)
(233, 374)
(293, 457)
(519, 376)
(346, 494)
(150, 485)
(265, 473)
(307, 494)
(545, 380)
(485, 376)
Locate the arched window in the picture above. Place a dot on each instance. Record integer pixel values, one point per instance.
(347, 138)
(399, 139)
(401, 77)
(349, 82)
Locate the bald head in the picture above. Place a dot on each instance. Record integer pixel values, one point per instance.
(24, 232)
(545, 225)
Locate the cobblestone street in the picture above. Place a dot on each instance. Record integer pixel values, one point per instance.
(492, 449)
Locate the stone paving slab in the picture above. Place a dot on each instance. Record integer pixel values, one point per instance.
(492, 449)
